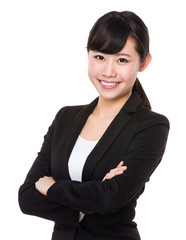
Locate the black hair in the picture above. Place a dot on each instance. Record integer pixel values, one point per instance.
(110, 33)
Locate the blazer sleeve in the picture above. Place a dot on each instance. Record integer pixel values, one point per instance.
(144, 154)
(32, 202)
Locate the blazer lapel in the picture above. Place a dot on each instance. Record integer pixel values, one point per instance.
(119, 122)
(73, 133)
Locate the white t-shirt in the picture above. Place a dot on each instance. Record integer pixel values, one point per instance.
(80, 152)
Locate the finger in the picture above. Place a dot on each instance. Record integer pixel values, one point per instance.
(113, 170)
(123, 168)
(119, 171)
(120, 164)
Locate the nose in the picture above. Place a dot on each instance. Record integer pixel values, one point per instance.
(109, 69)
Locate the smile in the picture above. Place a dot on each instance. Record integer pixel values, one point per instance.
(108, 85)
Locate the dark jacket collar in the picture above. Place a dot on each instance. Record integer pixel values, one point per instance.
(132, 103)
(130, 106)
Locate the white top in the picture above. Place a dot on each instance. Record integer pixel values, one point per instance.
(80, 152)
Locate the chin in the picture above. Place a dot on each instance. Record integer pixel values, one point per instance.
(113, 97)
(109, 98)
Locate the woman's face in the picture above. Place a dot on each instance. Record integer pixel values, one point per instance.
(114, 75)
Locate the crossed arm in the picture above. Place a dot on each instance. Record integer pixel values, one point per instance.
(44, 183)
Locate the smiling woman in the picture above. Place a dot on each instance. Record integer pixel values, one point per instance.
(80, 169)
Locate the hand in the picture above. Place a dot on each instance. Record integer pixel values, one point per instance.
(116, 171)
(43, 184)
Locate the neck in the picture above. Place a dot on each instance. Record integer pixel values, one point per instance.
(109, 108)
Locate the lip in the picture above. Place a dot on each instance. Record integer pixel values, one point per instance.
(108, 84)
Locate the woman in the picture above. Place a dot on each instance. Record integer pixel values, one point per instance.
(79, 180)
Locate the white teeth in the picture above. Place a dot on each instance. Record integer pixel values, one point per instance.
(108, 84)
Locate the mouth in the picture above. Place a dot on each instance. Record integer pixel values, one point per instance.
(108, 85)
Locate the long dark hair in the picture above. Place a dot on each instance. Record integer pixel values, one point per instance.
(110, 33)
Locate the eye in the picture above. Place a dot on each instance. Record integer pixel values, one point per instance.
(99, 57)
(122, 60)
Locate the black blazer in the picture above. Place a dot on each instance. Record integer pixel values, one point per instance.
(136, 135)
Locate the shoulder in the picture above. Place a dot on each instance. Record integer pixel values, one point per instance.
(65, 116)
(146, 118)
(70, 109)
(149, 127)
(142, 115)
(68, 112)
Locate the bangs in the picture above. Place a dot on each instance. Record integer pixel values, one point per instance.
(109, 36)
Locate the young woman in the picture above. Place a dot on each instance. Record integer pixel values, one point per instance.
(96, 158)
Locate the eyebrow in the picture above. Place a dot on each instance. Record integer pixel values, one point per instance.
(123, 54)
(117, 54)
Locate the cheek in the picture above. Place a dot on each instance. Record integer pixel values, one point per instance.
(130, 73)
(93, 69)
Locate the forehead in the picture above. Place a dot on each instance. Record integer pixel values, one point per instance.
(129, 47)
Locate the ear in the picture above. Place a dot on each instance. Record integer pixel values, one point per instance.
(145, 64)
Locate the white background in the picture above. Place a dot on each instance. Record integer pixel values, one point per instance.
(43, 66)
